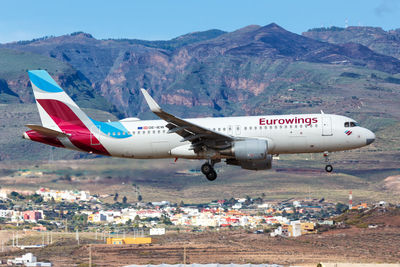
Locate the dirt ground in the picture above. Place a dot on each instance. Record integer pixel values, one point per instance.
(348, 245)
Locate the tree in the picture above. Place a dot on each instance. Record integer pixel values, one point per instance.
(340, 207)
(124, 199)
(116, 197)
(165, 220)
(137, 218)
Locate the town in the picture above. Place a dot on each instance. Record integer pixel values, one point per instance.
(69, 211)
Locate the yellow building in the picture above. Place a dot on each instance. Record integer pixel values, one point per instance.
(307, 228)
(128, 240)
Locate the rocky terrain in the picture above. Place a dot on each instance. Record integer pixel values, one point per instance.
(375, 38)
(210, 71)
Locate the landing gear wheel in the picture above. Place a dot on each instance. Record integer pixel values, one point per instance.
(206, 168)
(212, 175)
(328, 168)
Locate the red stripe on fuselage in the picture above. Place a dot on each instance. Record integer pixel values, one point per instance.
(38, 137)
(69, 123)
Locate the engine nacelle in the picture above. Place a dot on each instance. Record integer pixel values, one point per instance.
(252, 149)
(251, 154)
(261, 164)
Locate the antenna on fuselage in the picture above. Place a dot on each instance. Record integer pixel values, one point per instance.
(322, 112)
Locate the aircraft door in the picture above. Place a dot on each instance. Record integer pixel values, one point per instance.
(94, 131)
(326, 126)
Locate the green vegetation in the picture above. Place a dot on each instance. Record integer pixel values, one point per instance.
(15, 64)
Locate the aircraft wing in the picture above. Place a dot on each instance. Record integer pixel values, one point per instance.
(197, 135)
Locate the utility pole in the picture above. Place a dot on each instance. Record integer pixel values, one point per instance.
(77, 236)
(90, 255)
(184, 254)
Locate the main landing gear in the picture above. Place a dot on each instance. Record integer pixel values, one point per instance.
(208, 170)
(328, 167)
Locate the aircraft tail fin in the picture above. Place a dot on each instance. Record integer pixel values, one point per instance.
(56, 109)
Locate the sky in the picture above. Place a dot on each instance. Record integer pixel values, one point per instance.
(166, 19)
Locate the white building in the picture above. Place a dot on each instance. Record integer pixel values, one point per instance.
(296, 228)
(6, 213)
(157, 231)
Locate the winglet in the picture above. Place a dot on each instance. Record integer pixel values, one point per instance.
(150, 101)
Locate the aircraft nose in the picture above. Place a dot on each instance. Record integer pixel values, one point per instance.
(370, 137)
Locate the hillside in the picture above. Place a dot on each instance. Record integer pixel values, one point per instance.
(267, 69)
(15, 85)
(375, 38)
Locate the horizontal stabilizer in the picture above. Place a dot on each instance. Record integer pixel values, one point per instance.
(46, 131)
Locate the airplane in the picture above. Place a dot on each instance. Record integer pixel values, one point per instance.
(248, 141)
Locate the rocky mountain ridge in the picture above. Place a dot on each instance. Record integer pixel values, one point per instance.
(211, 71)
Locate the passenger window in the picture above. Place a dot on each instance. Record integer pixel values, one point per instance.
(285, 126)
(280, 126)
(250, 128)
(266, 127)
(276, 127)
(301, 126)
(245, 128)
(346, 124)
(270, 127)
(290, 126)
(113, 133)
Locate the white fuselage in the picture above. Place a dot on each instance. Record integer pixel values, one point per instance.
(307, 133)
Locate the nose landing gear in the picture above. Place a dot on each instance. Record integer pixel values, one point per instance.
(328, 167)
(208, 170)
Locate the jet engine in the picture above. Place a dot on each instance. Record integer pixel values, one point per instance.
(250, 154)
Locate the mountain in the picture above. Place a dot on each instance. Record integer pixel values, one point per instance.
(375, 38)
(209, 71)
(14, 82)
(253, 70)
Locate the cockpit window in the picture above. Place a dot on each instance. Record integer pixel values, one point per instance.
(350, 124)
